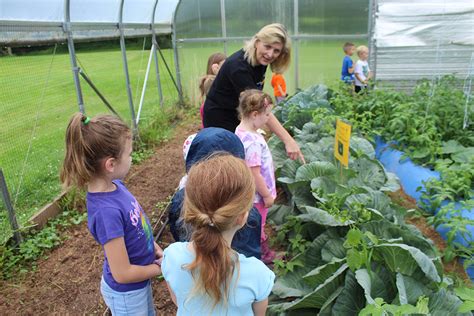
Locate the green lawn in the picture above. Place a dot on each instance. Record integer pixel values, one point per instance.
(38, 97)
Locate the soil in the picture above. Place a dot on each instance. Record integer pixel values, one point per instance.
(66, 282)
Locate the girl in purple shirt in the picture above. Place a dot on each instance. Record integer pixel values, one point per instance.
(98, 156)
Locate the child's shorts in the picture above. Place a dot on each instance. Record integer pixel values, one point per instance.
(137, 302)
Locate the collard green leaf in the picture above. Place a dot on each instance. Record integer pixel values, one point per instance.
(362, 145)
(333, 250)
(323, 292)
(321, 217)
(374, 285)
(318, 275)
(410, 289)
(351, 300)
(444, 303)
(315, 169)
(278, 212)
(405, 259)
(370, 173)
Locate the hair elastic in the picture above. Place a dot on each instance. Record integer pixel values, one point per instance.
(87, 120)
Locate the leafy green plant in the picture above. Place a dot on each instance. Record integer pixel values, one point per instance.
(20, 259)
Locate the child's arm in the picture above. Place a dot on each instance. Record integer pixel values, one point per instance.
(173, 296)
(360, 78)
(122, 270)
(351, 69)
(262, 186)
(259, 308)
(281, 91)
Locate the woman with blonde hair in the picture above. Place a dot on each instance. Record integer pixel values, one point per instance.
(205, 276)
(245, 69)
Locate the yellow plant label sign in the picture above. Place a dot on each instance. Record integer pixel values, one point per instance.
(342, 142)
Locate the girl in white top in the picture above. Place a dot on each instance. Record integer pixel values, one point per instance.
(205, 276)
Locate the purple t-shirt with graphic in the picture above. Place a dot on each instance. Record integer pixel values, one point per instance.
(117, 214)
(257, 154)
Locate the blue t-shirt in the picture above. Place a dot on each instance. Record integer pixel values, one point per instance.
(346, 64)
(254, 284)
(117, 214)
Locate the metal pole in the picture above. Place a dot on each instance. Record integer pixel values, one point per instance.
(142, 98)
(125, 68)
(176, 57)
(296, 42)
(371, 37)
(72, 55)
(224, 25)
(155, 56)
(10, 210)
(99, 94)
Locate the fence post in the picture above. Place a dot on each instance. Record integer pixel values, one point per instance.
(10, 210)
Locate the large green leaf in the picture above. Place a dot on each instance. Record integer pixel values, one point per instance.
(301, 195)
(333, 249)
(277, 148)
(326, 309)
(362, 145)
(384, 229)
(323, 292)
(351, 300)
(374, 286)
(406, 259)
(370, 173)
(317, 276)
(392, 184)
(278, 213)
(288, 170)
(444, 303)
(372, 199)
(322, 217)
(315, 169)
(409, 289)
(326, 184)
(291, 284)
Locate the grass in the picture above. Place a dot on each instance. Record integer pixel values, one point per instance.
(38, 97)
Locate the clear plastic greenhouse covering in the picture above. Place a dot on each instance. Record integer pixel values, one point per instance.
(33, 21)
(423, 39)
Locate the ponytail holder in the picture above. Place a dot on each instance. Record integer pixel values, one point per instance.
(211, 224)
(87, 120)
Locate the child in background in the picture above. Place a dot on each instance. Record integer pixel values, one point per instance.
(255, 107)
(214, 63)
(347, 73)
(279, 87)
(205, 276)
(98, 156)
(362, 71)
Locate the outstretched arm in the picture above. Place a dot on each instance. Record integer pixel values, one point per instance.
(292, 149)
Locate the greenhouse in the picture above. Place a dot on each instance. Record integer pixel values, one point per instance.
(234, 157)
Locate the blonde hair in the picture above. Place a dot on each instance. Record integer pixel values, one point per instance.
(253, 100)
(88, 142)
(362, 48)
(270, 34)
(218, 191)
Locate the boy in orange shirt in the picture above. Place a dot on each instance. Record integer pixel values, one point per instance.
(279, 87)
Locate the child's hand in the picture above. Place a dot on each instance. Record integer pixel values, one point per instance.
(268, 201)
(158, 252)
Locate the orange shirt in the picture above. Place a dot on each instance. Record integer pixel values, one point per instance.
(278, 80)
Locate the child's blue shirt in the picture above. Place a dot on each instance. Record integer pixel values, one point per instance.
(346, 64)
(252, 283)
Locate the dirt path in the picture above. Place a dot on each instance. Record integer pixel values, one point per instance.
(67, 281)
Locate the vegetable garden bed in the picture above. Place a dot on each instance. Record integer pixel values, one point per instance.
(350, 250)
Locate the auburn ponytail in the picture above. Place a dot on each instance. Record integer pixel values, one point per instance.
(218, 191)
